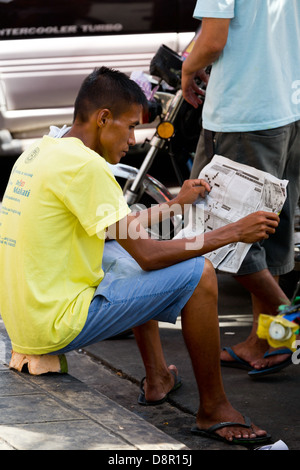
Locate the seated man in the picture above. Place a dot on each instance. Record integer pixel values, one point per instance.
(60, 292)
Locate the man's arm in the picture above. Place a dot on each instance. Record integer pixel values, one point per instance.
(190, 191)
(208, 47)
(154, 254)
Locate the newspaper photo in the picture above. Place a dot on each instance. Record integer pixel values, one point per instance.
(236, 191)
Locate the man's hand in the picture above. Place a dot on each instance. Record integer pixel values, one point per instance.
(206, 50)
(257, 226)
(190, 90)
(190, 191)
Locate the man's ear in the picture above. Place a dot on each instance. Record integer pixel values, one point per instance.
(103, 116)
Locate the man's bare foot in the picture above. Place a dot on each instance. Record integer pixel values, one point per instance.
(271, 359)
(227, 414)
(255, 357)
(251, 351)
(158, 387)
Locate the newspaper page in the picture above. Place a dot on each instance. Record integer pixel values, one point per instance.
(236, 191)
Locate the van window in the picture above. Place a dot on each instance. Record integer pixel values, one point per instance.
(21, 19)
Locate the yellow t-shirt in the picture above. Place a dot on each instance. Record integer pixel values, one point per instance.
(60, 198)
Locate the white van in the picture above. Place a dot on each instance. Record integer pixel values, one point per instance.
(47, 47)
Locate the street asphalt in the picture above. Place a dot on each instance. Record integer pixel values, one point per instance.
(272, 402)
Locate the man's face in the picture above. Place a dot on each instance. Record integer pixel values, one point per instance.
(116, 135)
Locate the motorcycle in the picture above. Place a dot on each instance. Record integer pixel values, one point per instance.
(177, 131)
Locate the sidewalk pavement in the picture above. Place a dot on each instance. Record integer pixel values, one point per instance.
(59, 412)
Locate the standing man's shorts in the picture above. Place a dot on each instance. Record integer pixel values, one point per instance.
(128, 296)
(276, 151)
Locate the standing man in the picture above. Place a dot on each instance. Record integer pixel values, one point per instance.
(252, 115)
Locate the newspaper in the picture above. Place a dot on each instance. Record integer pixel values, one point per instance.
(236, 191)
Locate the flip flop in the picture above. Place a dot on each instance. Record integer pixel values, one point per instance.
(211, 433)
(237, 363)
(276, 368)
(142, 399)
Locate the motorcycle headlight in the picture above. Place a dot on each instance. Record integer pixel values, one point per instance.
(165, 130)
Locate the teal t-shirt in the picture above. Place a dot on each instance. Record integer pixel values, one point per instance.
(255, 83)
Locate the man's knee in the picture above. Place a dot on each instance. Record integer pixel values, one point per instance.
(208, 284)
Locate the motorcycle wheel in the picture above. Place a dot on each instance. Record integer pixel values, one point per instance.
(152, 193)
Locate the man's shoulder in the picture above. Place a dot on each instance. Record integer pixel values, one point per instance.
(70, 150)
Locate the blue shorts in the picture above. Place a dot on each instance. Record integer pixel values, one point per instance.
(128, 296)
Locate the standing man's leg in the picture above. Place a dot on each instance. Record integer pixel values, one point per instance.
(277, 152)
(266, 296)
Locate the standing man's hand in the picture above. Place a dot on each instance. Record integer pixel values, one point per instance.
(206, 50)
(191, 91)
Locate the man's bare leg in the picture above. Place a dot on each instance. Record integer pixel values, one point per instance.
(266, 296)
(201, 333)
(159, 380)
